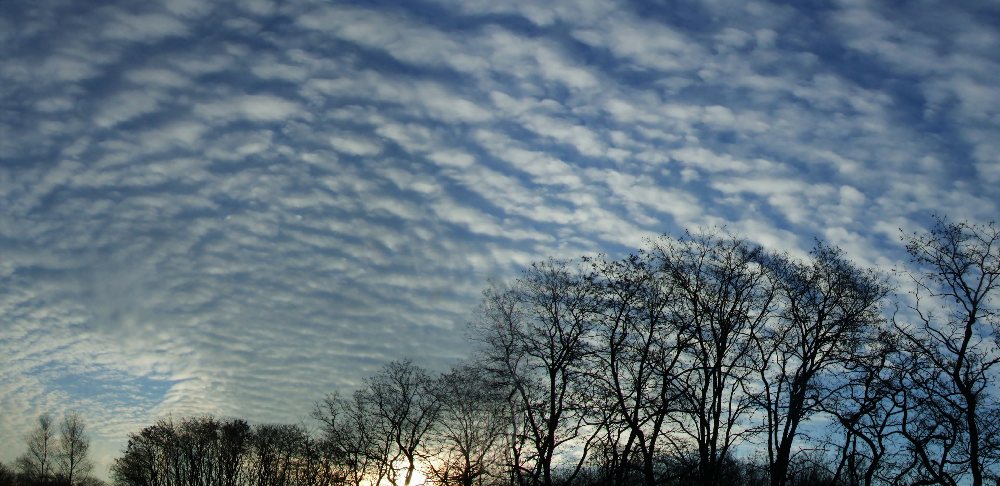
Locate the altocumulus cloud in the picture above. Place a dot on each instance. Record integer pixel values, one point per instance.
(235, 207)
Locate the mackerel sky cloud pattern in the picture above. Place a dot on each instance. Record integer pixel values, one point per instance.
(236, 207)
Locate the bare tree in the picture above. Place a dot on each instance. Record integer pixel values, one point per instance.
(350, 428)
(951, 424)
(74, 465)
(863, 403)
(385, 422)
(38, 462)
(172, 454)
(197, 445)
(204, 451)
(274, 450)
(633, 377)
(146, 458)
(234, 445)
(829, 309)
(318, 464)
(536, 335)
(723, 299)
(467, 442)
(405, 409)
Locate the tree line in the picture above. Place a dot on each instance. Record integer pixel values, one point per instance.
(699, 359)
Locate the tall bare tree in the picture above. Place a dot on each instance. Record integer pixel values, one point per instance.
(38, 462)
(722, 301)
(234, 445)
(952, 422)
(829, 309)
(633, 376)
(72, 460)
(862, 400)
(537, 338)
(275, 451)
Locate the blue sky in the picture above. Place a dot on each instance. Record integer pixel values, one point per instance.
(237, 207)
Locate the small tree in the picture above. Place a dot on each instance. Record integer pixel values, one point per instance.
(350, 430)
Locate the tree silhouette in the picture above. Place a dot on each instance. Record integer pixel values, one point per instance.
(406, 409)
(828, 310)
(38, 461)
(466, 443)
(723, 300)
(350, 429)
(951, 420)
(536, 345)
(632, 376)
(73, 463)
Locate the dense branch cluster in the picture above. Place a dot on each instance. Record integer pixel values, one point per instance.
(702, 359)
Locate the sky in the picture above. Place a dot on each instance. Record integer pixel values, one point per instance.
(235, 208)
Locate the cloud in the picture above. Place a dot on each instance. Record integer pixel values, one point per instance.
(234, 209)
(647, 45)
(147, 27)
(355, 146)
(262, 108)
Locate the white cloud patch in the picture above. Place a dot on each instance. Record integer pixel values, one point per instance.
(355, 145)
(147, 27)
(250, 107)
(126, 106)
(649, 45)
